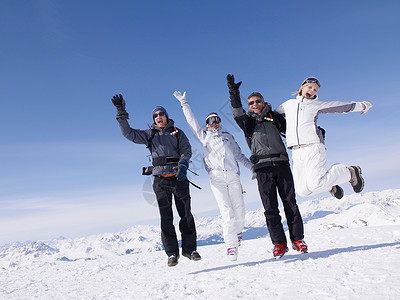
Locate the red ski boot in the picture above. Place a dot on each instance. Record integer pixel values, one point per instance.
(280, 250)
(300, 246)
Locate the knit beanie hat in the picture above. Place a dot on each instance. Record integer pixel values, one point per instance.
(160, 108)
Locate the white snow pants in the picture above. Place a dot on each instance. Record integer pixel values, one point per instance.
(310, 174)
(228, 192)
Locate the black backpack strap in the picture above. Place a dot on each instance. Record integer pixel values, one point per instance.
(248, 125)
(152, 134)
(280, 123)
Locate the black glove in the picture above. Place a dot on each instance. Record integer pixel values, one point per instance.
(119, 103)
(233, 87)
(182, 170)
(234, 91)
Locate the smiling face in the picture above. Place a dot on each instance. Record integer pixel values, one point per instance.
(160, 119)
(309, 90)
(213, 121)
(213, 126)
(256, 104)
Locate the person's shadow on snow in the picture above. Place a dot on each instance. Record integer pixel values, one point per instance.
(288, 258)
(251, 233)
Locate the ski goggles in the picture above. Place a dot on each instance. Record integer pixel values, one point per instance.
(311, 80)
(161, 113)
(213, 119)
(255, 101)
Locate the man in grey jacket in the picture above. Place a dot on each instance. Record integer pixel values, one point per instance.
(170, 151)
(261, 127)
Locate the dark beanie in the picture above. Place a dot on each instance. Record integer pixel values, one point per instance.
(160, 108)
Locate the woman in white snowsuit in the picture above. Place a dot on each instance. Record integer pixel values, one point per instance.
(221, 155)
(305, 139)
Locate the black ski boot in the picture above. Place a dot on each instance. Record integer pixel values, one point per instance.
(356, 181)
(192, 256)
(337, 192)
(173, 260)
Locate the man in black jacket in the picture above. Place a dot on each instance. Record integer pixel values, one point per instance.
(262, 128)
(170, 150)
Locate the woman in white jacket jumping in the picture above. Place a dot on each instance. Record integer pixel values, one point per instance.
(221, 155)
(305, 139)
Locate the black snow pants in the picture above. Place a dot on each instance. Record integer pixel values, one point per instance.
(279, 177)
(164, 188)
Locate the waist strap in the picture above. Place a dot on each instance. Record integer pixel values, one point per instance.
(256, 158)
(165, 160)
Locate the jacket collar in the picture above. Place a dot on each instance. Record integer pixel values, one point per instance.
(259, 117)
(302, 98)
(170, 124)
(214, 131)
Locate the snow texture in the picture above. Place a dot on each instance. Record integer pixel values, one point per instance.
(354, 251)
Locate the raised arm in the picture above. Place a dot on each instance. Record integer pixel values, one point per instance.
(239, 114)
(134, 135)
(190, 118)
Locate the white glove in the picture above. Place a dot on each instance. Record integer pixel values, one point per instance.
(366, 106)
(180, 97)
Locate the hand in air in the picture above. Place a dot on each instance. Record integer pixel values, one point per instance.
(366, 106)
(180, 97)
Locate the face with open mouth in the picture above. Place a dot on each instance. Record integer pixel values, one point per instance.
(309, 90)
(160, 118)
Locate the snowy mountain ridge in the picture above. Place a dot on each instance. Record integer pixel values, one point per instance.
(357, 210)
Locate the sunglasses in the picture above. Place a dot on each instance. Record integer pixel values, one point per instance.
(161, 113)
(212, 120)
(255, 101)
(311, 80)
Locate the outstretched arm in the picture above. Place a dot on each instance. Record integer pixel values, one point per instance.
(343, 107)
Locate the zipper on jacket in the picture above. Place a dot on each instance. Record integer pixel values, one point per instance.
(297, 122)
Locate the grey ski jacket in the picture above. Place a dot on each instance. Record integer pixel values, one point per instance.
(167, 145)
(262, 132)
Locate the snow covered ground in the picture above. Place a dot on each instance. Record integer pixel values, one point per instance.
(354, 253)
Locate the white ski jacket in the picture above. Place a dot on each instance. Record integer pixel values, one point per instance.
(220, 150)
(302, 114)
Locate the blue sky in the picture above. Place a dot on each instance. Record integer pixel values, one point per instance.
(66, 170)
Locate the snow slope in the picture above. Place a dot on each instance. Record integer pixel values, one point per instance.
(354, 253)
